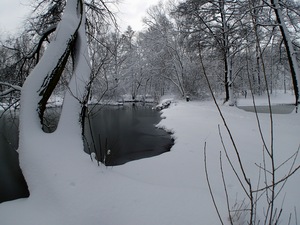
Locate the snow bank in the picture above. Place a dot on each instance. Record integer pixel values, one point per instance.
(167, 189)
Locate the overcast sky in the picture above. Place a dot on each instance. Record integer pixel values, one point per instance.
(13, 12)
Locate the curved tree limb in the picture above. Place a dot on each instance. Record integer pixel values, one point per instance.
(54, 73)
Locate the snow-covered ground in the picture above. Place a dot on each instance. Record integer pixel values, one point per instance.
(277, 97)
(69, 189)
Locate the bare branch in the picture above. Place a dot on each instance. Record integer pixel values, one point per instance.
(209, 186)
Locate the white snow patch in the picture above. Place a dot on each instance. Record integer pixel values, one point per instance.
(278, 97)
(167, 189)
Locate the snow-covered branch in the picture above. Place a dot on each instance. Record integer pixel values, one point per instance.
(11, 88)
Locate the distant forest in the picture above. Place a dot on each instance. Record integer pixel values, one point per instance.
(239, 45)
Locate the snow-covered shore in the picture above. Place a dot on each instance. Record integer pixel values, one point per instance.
(168, 189)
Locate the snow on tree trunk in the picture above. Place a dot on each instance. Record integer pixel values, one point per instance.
(34, 144)
(289, 49)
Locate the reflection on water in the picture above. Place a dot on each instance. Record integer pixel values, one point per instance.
(125, 132)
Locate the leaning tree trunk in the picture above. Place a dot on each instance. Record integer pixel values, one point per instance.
(34, 144)
(289, 49)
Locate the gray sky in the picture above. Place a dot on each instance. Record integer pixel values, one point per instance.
(13, 12)
(132, 12)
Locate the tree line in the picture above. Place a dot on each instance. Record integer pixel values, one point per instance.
(245, 45)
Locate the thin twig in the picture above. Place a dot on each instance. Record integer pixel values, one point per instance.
(231, 164)
(279, 181)
(225, 189)
(209, 186)
(291, 168)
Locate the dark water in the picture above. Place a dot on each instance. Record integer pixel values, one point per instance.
(276, 109)
(126, 132)
(12, 183)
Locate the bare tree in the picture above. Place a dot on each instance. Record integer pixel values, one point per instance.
(216, 24)
(276, 5)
